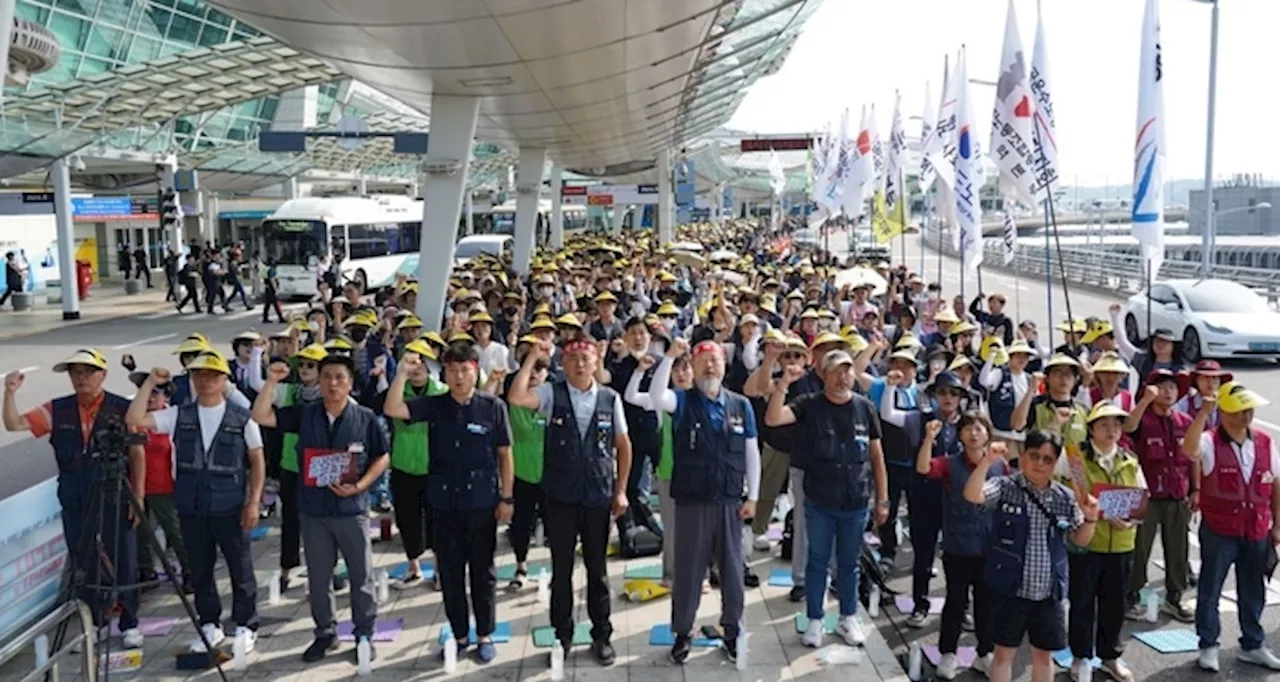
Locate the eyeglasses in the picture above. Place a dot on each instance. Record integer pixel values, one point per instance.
(1040, 458)
(307, 365)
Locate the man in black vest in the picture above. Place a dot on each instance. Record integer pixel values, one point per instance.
(586, 461)
(644, 428)
(470, 482)
(342, 451)
(219, 473)
(717, 457)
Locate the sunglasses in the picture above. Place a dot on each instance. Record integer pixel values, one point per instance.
(1040, 458)
(308, 365)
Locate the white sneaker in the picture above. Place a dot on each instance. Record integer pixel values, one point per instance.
(947, 667)
(1209, 659)
(250, 638)
(851, 630)
(982, 664)
(1078, 667)
(813, 636)
(1118, 670)
(131, 638)
(213, 633)
(762, 543)
(1261, 656)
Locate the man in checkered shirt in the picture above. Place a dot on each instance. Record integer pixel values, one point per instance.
(1026, 567)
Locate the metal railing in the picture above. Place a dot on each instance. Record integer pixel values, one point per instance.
(36, 636)
(1099, 268)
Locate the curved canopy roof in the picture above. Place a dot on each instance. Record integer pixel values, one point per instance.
(601, 83)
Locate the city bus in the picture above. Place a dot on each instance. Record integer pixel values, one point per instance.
(503, 219)
(368, 238)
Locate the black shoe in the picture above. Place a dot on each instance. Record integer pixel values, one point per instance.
(463, 645)
(680, 650)
(750, 579)
(796, 595)
(339, 583)
(731, 649)
(284, 582)
(715, 579)
(355, 653)
(319, 648)
(145, 577)
(187, 589)
(603, 651)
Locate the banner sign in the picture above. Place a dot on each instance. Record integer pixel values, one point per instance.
(780, 144)
(33, 555)
(609, 195)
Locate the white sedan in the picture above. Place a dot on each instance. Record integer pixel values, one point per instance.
(1214, 318)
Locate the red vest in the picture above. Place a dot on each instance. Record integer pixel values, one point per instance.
(1158, 444)
(1125, 403)
(1233, 507)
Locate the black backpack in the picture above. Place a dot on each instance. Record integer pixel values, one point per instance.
(638, 542)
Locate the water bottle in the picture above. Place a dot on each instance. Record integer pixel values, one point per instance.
(384, 593)
(747, 545)
(1153, 607)
(364, 657)
(237, 651)
(450, 654)
(743, 636)
(557, 662)
(273, 589)
(914, 662)
(1086, 674)
(544, 588)
(539, 534)
(873, 601)
(840, 655)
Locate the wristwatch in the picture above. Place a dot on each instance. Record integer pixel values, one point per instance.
(882, 503)
(507, 500)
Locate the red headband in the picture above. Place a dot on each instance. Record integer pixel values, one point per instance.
(579, 347)
(708, 347)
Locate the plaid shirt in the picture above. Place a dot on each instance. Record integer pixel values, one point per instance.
(1059, 500)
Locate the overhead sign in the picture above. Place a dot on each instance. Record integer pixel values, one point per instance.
(113, 209)
(609, 195)
(685, 189)
(781, 144)
(600, 200)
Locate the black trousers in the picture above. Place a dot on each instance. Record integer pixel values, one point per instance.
(143, 270)
(566, 523)
(171, 281)
(1097, 592)
(638, 511)
(205, 536)
(413, 514)
(924, 503)
(465, 541)
(964, 573)
(530, 506)
(214, 293)
(192, 297)
(899, 483)
(290, 526)
(110, 536)
(271, 302)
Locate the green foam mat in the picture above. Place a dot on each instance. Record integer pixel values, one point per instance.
(802, 623)
(644, 572)
(544, 637)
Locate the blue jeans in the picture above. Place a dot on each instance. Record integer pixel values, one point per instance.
(844, 529)
(1217, 554)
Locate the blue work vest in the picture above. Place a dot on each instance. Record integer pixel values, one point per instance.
(462, 474)
(710, 464)
(1003, 402)
(809, 383)
(579, 468)
(836, 471)
(77, 468)
(210, 482)
(1007, 546)
(315, 432)
(965, 526)
(182, 394)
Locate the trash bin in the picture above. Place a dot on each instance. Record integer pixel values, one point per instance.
(84, 278)
(132, 287)
(23, 300)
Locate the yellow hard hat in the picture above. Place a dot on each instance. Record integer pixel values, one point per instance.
(210, 360)
(480, 316)
(191, 345)
(197, 336)
(88, 357)
(434, 337)
(606, 296)
(1233, 397)
(529, 339)
(1073, 326)
(339, 344)
(363, 319)
(459, 337)
(1097, 330)
(1105, 409)
(315, 353)
(961, 327)
(409, 322)
(668, 308)
(420, 347)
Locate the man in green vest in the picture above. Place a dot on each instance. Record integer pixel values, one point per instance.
(528, 438)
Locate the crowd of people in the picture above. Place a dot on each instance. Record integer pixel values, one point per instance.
(737, 380)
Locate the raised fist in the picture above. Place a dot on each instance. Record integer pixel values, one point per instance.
(1152, 392)
(998, 449)
(278, 371)
(679, 347)
(128, 362)
(646, 361)
(893, 378)
(933, 428)
(792, 374)
(618, 347)
(159, 375)
(409, 363)
(13, 381)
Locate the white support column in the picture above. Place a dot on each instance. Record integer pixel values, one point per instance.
(453, 127)
(166, 171)
(557, 207)
(362, 186)
(290, 188)
(528, 190)
(61, 176)
(666, 217)
(717, 207)
(468, 210)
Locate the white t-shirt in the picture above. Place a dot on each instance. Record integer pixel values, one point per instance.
(210, 420)
(1245, 453)
(493, 356)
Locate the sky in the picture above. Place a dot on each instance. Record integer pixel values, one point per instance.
(855, 52)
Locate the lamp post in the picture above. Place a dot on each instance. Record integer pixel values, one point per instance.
(1210, 230)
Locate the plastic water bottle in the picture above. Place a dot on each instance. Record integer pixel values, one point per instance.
(898, 530)
(557, 662)
(364, 657)
(1066, 614)
(873, 601)
(384, 592)
(450, 654)
(539, 534)
(544, 588)
(743, 636)
(747, 544)
(273, 589)
(914, 661)
(1153, 607)
(1086, 675)
(238, 651)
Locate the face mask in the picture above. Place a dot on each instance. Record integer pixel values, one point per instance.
(510, 312)
(668, 323)
(358, 333)
(937, 366)
(546, 292)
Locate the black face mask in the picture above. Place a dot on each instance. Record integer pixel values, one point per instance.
(358, 334)
(510, 312)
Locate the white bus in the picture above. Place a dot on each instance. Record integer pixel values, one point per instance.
(504, 219)
(369, 238)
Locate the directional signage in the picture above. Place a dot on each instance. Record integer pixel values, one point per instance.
(112, 209)
(609, 195)
(781, 144)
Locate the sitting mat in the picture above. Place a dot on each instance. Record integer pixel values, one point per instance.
(643, 590)
(150, 626)
(906, 604)
(508, 572)
(501, 633)
(829, 619)
(781, 577)
(259, 532)
(1064, 658)
(644, 572)
(1178, 641)
(383, 630)
(545, 636)
(661, 635)
(400, 570)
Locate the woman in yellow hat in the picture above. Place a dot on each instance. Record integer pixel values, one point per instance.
(1006, 387)
(1109, 376)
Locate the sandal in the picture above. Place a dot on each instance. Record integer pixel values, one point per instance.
(517, 582)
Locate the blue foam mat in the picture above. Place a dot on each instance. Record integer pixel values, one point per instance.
(401, 569)
(1179, 641)
(501, 633)
(1064, 658)
(661, 635)
(259, 532)
(781, 577)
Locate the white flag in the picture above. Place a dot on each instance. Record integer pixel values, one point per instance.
(861, 169)
(1012, 146)
(777, 179)
(1046, 132)
(1149, 150)
(894, 172)
(1010, 232)
(941, 149)
(968, 178)
(837, 167)
(818, 167)
(878, 161)
(927, 171)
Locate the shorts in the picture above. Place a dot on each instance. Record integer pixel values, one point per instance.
(1044, 623)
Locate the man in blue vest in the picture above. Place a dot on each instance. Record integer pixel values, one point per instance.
(717, 457)
(342, 451)
(76, 425)
(585, 471)
(470, 487)
(219, 471)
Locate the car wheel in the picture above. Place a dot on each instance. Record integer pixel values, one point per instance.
(1131, 329)
(1191, 350)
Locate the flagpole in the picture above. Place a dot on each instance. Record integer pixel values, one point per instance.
(1048, 270)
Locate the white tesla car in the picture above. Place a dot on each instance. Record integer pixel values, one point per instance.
(1214, 318)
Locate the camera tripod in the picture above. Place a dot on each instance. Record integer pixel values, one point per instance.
(93, 570)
